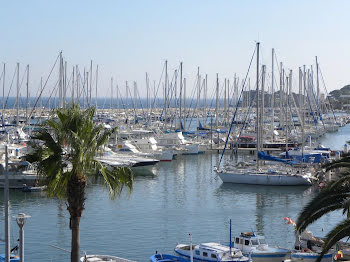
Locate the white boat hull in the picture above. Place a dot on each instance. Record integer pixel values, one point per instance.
(264, 179)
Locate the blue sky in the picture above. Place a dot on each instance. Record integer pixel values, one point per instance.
(128, 38)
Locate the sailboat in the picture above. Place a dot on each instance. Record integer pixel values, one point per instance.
(273, 175)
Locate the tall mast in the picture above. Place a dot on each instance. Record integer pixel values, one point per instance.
(301, 111)
(111, 102)
(165, 93)
(217, 101)
(147, 94)
(184, 104)
(262, 105)
(60, 81)
(317, 85)
(225, 105)
(198, 98)
(96, 103)
(180, 104)
(17, 96)
(3, 95)
(176, 102)
(205, 95)
(65, 84)
(281, 95)
(77, 82)
(273, 96)
(257, 106)
(87, 89)
(90, 82)
(228, 101)
(73, 86)
(84, 88)
(117, 97)
(27, 101)
(135, 101)
(127, 102)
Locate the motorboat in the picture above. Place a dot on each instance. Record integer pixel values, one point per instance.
(19, 173)
(211, 252)
(256, 247)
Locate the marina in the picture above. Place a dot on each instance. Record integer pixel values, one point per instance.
(182, 196)
(175, 131)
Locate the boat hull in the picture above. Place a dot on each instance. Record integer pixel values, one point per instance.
(267, 257)
(167, 258)
(264, 179)
(310, 257)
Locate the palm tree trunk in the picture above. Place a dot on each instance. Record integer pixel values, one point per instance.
(75, 248)
(76, 199)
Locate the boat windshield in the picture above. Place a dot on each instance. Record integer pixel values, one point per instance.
(262, 241)
(255, 242)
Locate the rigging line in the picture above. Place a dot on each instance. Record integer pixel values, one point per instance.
(36, 102)
(47, 101)
(324, 85)
(156, 94)
(278, 64)
(245, 122)
(234, 116)
(143, 111)
(193, 94)
(120, 97)
(20, 85)
(2, 74)
(8, 94)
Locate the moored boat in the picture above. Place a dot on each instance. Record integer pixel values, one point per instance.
(211, 252)
(310, 257)
(256, 247)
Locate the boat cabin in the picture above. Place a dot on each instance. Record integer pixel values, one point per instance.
(210, 252)
(248, 241)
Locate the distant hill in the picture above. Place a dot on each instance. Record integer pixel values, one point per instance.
(338, 101)
(343, 91)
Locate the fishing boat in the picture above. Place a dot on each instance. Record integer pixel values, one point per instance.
(307, 247)
(211, 252)
(166, 258)
(101, 258)
(256, 247)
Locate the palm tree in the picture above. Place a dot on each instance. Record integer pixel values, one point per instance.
(64, 155)
(335, 196)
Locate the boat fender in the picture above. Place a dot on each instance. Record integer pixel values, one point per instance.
(306, 250)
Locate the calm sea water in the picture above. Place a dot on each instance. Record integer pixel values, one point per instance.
(183, 196)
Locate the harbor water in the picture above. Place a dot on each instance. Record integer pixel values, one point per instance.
(182, 196)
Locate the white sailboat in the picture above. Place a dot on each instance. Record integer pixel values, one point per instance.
(263, 175)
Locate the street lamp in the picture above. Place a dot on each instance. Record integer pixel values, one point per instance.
(21, 219)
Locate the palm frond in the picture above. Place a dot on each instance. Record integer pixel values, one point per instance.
(340, 231)
(328, 200)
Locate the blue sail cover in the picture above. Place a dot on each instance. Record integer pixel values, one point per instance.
(264, 156)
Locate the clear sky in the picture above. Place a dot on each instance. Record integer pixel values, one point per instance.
(128, 38)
